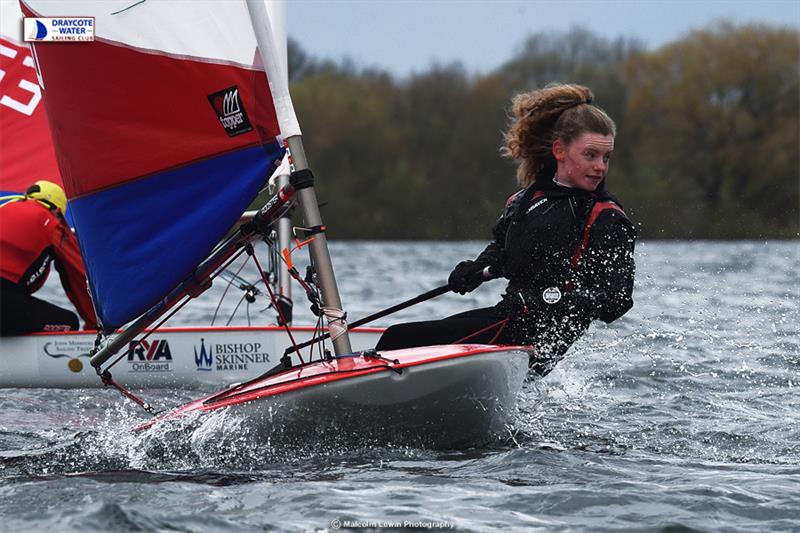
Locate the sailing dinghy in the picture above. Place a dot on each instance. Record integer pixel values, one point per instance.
(169, 112)
(197, 356)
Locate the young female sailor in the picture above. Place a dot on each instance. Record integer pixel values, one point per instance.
(563, 242)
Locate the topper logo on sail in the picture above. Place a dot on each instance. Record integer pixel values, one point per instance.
(49, 29)
(230, 111)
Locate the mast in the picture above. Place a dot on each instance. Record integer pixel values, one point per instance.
(318, 249)
(284, 243)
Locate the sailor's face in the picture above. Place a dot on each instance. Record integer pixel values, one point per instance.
(583, 163)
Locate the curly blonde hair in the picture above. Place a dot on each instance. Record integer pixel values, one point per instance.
(557, 111)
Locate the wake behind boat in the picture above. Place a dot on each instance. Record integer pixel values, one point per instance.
(204, 161)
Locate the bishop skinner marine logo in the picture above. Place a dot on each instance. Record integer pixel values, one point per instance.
(204, 358)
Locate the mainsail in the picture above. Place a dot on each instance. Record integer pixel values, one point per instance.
(26, 150)
(164, 129)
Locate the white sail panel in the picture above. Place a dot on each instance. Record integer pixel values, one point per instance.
(179, 28)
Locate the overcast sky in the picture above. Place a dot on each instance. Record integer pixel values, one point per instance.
(403, 36)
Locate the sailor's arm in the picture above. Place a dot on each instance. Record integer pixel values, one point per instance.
(492, 255)
(70, 268)
(610, 267)
(469, 274)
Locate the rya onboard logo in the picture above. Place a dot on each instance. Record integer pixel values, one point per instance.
(149, 356)
(231, 114)
(58, 29)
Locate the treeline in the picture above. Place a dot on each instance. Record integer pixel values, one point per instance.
(708, 142)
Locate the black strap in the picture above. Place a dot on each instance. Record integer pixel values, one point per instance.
(301, 179)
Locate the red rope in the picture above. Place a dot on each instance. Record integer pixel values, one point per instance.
(501, 325)
(275, 303)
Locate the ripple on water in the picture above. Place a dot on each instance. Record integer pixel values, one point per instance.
(682, 416)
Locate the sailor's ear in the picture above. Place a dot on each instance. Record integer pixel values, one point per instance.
(559, 149)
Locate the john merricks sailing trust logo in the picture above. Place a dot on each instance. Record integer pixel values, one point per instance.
(205, 358)
(230, 111)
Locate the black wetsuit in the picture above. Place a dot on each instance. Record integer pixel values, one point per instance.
(568, 256)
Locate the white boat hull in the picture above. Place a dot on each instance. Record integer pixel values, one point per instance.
(443, 397)
(171, 357)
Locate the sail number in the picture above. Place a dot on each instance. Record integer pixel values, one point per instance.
(25, 94)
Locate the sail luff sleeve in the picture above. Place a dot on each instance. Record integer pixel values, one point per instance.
(276, 70)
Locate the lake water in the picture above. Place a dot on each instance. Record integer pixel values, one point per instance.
(682, 416)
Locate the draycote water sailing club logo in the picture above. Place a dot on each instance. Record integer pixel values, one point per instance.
(60, 29)
(228, 356)
(149, 356)
(230, 111)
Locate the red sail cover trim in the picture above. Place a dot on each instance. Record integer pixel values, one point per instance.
(598, 208)
(26, 148)
(166, 120)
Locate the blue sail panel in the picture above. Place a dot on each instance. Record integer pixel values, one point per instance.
(141, 238)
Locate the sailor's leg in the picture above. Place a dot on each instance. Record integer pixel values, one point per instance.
(475, 324)
(22, 313)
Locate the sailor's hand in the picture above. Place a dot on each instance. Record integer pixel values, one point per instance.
(466, 277)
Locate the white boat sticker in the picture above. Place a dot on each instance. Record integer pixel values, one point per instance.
(58, 29)
(230, 356)
(149, 355)
(551, 295)
(69, 351)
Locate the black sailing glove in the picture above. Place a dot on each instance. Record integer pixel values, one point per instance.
(466, 277)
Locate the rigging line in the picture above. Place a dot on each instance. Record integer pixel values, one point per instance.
(317, 327)
(225, 292)
(238, 279)
(129, 7)
(275, 302)
(233, 314)
(244, 284)
(177, 308)
(227, 274)
(150, 332)
(320, 325)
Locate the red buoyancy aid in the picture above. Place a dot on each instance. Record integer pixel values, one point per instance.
(583, 244)
(31, 237)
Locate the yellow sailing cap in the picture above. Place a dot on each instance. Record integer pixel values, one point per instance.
(48, 193)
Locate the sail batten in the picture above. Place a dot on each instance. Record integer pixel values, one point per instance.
(164, 132)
